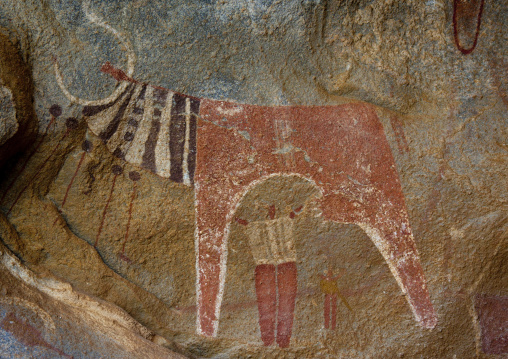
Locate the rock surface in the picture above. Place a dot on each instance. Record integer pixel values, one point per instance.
(104, 249)
(8, 123)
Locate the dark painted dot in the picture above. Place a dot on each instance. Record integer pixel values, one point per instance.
(117, 170)
(55, 110)
(71, 123)
(129, 136)
(135, 176)
(133, 122)
(119, 154)
(87, 146)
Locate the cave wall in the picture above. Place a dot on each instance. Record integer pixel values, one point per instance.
(363, 144)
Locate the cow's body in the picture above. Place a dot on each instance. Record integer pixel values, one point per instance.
(223, 149)
(341, 149)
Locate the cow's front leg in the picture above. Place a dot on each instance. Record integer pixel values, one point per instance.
(210, 267)
(214, 206)
(386, 222)
(396, 244)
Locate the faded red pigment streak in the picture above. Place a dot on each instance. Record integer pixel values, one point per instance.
(82, 157)
(71, 124)
(224, 149)
(54, 111)
(27, 334)
(400, 137)
(493, 317)
(117, 170)
(87, 147)
(466, 11)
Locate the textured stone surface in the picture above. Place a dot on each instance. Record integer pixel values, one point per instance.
(8, 123)
(19, 124)
(44, 317)
(115, 230)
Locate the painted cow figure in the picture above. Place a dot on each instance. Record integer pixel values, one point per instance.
(223, 149)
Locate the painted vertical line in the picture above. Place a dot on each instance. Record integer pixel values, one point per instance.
(137, 149)
(134, 176)
(117, 170)
(191, 161)
(71, 123)
(87, 147)
(55, 111)
(177, 138)
(133, 196)
(456, 29)
(185, 164)
(400, 137)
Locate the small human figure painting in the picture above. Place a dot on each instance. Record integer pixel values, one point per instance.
(272, 246)
(330, 289)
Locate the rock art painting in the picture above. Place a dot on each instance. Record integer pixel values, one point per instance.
(27, 334)
(332, 294)
(340, 149)
(223, 149)
(71, 124)
(467, 19)
(493, 317)
(272, 245)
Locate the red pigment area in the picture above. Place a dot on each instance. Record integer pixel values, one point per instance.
(493, 316)
(26, 333)
(343, 149)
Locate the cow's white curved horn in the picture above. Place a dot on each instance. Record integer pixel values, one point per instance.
(131, 61)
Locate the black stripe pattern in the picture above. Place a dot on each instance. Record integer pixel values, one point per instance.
(152, 128)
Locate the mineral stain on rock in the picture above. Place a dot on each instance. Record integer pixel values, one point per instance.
(26, 333)
(493, 316)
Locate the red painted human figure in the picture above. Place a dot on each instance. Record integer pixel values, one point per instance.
(272, 246)
(331, 291)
